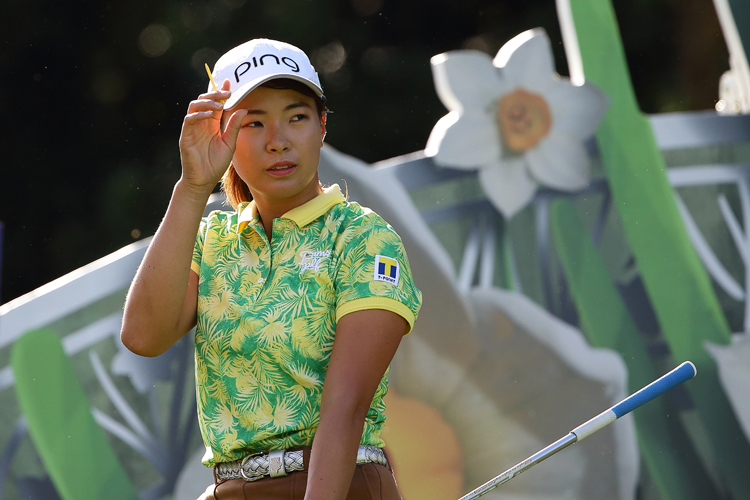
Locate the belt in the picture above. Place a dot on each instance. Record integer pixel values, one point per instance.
(281, 462)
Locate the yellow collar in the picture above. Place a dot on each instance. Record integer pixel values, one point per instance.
(301, 215)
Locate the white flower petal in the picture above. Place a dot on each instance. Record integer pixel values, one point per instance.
(465, 140)
(508, 185)
(542, 340)
(576, 110)
(560, 162)
(734, 372)
(466, 79)
(526, 61)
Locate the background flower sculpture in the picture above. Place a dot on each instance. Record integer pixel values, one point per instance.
(483, 373)
(514, 119)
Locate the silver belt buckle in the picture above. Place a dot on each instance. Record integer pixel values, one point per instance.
(253, 475)
(276, 467)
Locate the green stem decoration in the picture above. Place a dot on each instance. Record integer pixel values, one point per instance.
(74, 449)
(678, 287)
(665, 446)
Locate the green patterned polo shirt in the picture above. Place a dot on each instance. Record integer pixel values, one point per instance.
(267, 314)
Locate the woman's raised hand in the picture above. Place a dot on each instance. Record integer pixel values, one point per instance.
(206, 150)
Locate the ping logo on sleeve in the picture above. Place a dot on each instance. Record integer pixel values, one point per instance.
(386, 269)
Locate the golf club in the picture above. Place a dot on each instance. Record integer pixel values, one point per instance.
(684, 372)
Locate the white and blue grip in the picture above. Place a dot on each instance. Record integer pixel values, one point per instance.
(684, 372)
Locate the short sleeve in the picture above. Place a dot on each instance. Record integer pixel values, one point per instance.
(372, 271)
(195, 265)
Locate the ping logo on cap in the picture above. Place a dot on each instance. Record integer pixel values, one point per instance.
(386, 269)
(255, 62)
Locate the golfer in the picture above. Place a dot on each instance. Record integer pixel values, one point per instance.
(299, 296)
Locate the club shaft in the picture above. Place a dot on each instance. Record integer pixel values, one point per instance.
(684, 372)
(509, 474)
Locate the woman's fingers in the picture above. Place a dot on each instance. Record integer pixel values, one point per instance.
(216, 95)
(207, 105)
(233, 128)
(203, 108)
(200, 110)
(193, 118)
(204, 105)
(203, 146)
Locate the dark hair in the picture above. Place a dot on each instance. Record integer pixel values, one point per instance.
(233, 186)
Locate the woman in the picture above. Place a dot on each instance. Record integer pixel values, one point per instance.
(300, 298)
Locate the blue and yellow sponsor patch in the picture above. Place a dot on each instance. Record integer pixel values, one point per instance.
(386, 269)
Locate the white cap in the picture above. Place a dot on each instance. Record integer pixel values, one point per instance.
(253, 63)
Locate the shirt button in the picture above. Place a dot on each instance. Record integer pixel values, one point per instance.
(261, 280)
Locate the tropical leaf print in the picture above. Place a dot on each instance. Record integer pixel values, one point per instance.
(283, 415)
(297, 302)
(217, 307)
(270, 328)
(305, 377)
(267, 313)
(250, 394)
(309, 418)
(242, 332)
(224, 418)
(304, 342)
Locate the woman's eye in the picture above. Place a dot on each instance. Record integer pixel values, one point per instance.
(299, 117)
(253, 124)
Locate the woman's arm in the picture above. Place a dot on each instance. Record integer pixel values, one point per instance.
(162, 301)
(362, 350)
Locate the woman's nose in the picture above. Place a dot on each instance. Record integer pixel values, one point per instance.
(277, 141)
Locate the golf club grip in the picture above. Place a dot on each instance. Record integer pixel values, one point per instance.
(682, 373)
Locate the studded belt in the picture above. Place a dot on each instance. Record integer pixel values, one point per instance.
(281, 462)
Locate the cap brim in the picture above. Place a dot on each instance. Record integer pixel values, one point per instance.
(242, 92)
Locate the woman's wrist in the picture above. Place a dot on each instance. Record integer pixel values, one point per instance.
(197, 194)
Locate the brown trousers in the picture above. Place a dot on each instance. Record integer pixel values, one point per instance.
(370, 482)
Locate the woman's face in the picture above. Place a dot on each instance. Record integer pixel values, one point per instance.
(278, 147)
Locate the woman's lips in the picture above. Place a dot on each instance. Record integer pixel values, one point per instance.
(281, 168)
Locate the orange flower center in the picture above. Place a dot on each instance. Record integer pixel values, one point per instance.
(524, 119)
(412, 431)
